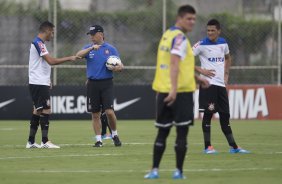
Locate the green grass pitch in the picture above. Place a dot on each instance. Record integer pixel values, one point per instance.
(77, 162)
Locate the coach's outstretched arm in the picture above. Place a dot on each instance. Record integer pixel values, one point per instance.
(55, 61)
(82, 53)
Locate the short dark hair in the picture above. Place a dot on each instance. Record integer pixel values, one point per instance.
(182, 10)
(45, 25)
(214, 22)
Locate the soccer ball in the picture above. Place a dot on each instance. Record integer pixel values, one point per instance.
(113, 61)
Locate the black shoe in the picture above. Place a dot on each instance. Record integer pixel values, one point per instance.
(98, 144)
(116, 141)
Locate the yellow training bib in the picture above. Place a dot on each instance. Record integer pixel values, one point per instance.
(186, 79)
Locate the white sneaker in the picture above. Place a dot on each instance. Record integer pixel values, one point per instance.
(49, 144)
(34, 145)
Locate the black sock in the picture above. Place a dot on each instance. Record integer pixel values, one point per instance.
(110, 130)
(231, 141)
(206, 127)
(44, 123)
(159, 146)
(104, 122)
(181, 146)
(34, 123)
(226, 129)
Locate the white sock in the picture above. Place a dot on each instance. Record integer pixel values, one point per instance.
(155, 170)
(98, 138)
(114, 132)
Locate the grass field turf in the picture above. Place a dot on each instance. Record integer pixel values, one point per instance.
(78, 162)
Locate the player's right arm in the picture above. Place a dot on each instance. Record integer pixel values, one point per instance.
(197, 51)
(205, 72)
(43, 52)
(203, 82)
(55, 61)
(82, 53)
(174, 71)
(178, 52)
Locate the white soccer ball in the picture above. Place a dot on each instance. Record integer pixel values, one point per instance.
(113, 61)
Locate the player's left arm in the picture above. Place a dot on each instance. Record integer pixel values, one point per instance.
(227, 65)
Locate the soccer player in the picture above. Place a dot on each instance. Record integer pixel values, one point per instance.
(100, 82)
(174, 84)
(215, 60)
(39, 84)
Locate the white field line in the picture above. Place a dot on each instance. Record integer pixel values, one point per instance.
(70, 145)
(57, 156)
(100, 155)
(144, 171)
(7, 129)
(140, 143)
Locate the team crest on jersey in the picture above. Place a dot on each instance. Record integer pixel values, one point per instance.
(91, 54)
(221, 48)
(107, 52)
(41, 46)
(211, 107)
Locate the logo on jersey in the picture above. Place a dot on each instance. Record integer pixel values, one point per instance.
(107, 52)
(164, 66)
(222, 49)
(216, 59)
(197, 44)
(164, 48)
(41, 46)
(91, 54)
(178, 41)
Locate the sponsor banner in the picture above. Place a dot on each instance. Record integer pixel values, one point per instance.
(252, 102)
(255, 102)
(69, 102)
(138, 102)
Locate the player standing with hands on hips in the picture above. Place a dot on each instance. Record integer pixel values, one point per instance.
(175, 84)
(100, 82)
(215, 60)
(39, 84)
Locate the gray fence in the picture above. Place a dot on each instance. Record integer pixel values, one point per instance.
(135, 27)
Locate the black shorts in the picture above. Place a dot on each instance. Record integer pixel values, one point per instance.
(100, 95)
(213, 99)
(180, 113)
(40, 95)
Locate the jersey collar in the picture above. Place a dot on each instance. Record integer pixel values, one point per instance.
(172, 28)
(211, 42)
(39, 39)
